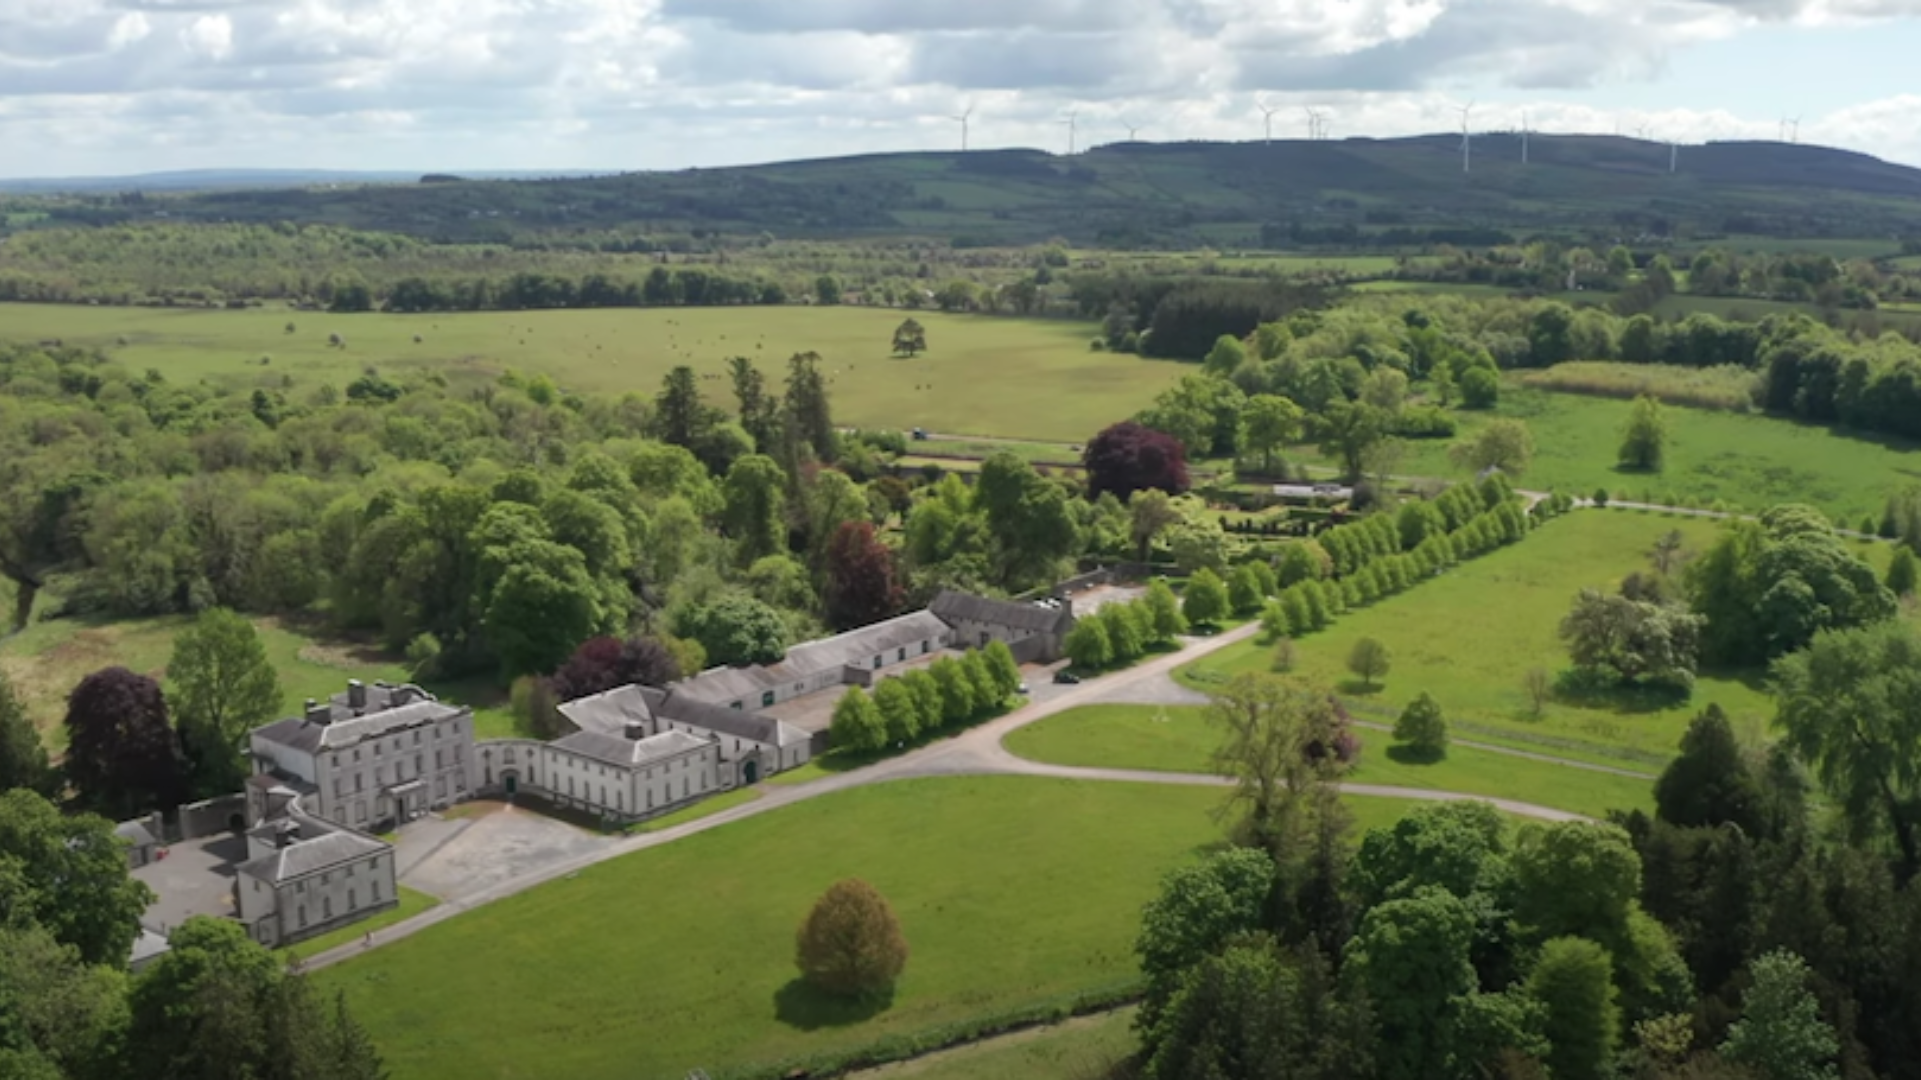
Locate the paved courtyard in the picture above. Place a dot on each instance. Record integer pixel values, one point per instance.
(196, 878)
(501, 842)
(1088, 601)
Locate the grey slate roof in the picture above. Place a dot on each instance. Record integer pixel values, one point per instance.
(953, 607)
(609, 712)
(855, 647)
(754, 727)
(146, 947)
(136, 833)
(312, 856)
(348, 730)
(629, 753)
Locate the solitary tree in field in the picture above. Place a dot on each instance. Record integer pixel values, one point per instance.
(1370, 660)
(851, 945)
(1540, 689)
(1422, 728)
(1644, 443)
(910, 338)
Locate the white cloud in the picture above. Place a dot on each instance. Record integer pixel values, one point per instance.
(210, 36)
(626, 83)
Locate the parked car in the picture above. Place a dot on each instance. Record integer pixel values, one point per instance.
(920, 434)
(1066, 678)
(1022, 689)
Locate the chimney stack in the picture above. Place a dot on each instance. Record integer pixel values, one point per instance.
(356, 694)
(318, 713)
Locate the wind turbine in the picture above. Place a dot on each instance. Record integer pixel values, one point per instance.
(1794, 129)
(1674, 155)
(1467, 140)
(1267, 118)
(963, 118)
(1524, 138)
(1132, 129)
(1069, 122)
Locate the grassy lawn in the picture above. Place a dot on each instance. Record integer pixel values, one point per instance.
(49, 658)
(1470, 636)
(412, 902)
(1086, 1046)
(681, 956)
(1179, 739)
(1748, 462)
(1027, 378)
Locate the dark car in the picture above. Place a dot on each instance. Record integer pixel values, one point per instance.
(1067, 678)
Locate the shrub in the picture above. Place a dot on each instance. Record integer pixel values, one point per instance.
(1422, 729)
(851, 945)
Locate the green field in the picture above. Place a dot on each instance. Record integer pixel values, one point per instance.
(412, 902)
(1083, 1048)
(1024, 378)
(1179, 739)
(1470, 636)
(45, 662)
(1747, 462)
(681, 956)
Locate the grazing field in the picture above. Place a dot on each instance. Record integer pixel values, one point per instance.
(1025, 378)
(1470, 636)
(1180, 739)
(1012, 892)
(1747, 462)
(1727, 388)
(45, 662)
(1083, 1048)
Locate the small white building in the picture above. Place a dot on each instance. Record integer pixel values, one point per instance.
(305, 878)
(374, 754)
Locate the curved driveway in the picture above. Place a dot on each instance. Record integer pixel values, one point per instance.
(977, 751)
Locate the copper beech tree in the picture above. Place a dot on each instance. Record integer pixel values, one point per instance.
(851, 945)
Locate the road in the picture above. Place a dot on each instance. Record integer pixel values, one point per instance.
(976, 752)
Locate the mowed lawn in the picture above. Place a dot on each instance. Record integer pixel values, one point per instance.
(1180, 739)
(1470, 636)
(48, 659)
(1749, 462)
(1027, 378)
(1012, 892)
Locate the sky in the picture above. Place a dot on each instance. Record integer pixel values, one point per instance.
(112, 87)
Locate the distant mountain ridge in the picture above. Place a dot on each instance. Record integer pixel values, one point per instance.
(1355, 191)
(185, 180)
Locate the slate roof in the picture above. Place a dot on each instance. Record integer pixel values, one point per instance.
(954, 607)
(135, 833)
(312, 856)
(854, 648)
(348, 730)
(146, 947)
(754, 727)
(609, 712)
(629, 753)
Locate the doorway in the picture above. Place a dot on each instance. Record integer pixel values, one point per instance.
(750, 770)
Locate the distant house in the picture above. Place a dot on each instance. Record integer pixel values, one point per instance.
(373, 754)
(638, 752)
(1036, 632)
(848, 659)
(303, 878)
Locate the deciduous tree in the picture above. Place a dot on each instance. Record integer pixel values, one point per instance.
(1127, 457)
(1087, 645)
(1199, 908)
(857, 724)
(122, 757)
(1781, 1034)
(1506, 445)
(851, 944)
(68, 873)
(1272, 422)
(23, 757)
(221, 687)
(1411, 957)
(1574, 979)
(1644, 441)
(910, 338)
(755, 492)
(861, 586)
(1422, 729)
(1205, 601)
(1164, 611)
(1370, 659)
(735, 630)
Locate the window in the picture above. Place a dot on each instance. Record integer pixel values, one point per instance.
(767, 699)
(373, 863)
(925, 647)
(900, 653)
(876, 663)
(683, 787)
(337, 786)
(334, 758)
(603, 794)
(350, 871)
(353, 901)
(360, 781)
(356, 753)
(416, 736)
(376, 892)
(420, 764)
(326, 907)
(302, 912)
(300, 887)
(735, 705)
(650, 798)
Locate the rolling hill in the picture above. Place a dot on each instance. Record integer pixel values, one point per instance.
(1352, 192)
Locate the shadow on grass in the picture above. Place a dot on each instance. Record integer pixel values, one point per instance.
(1411, 755)
(1626, 700)
(1357, 688)
(799, 1005)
